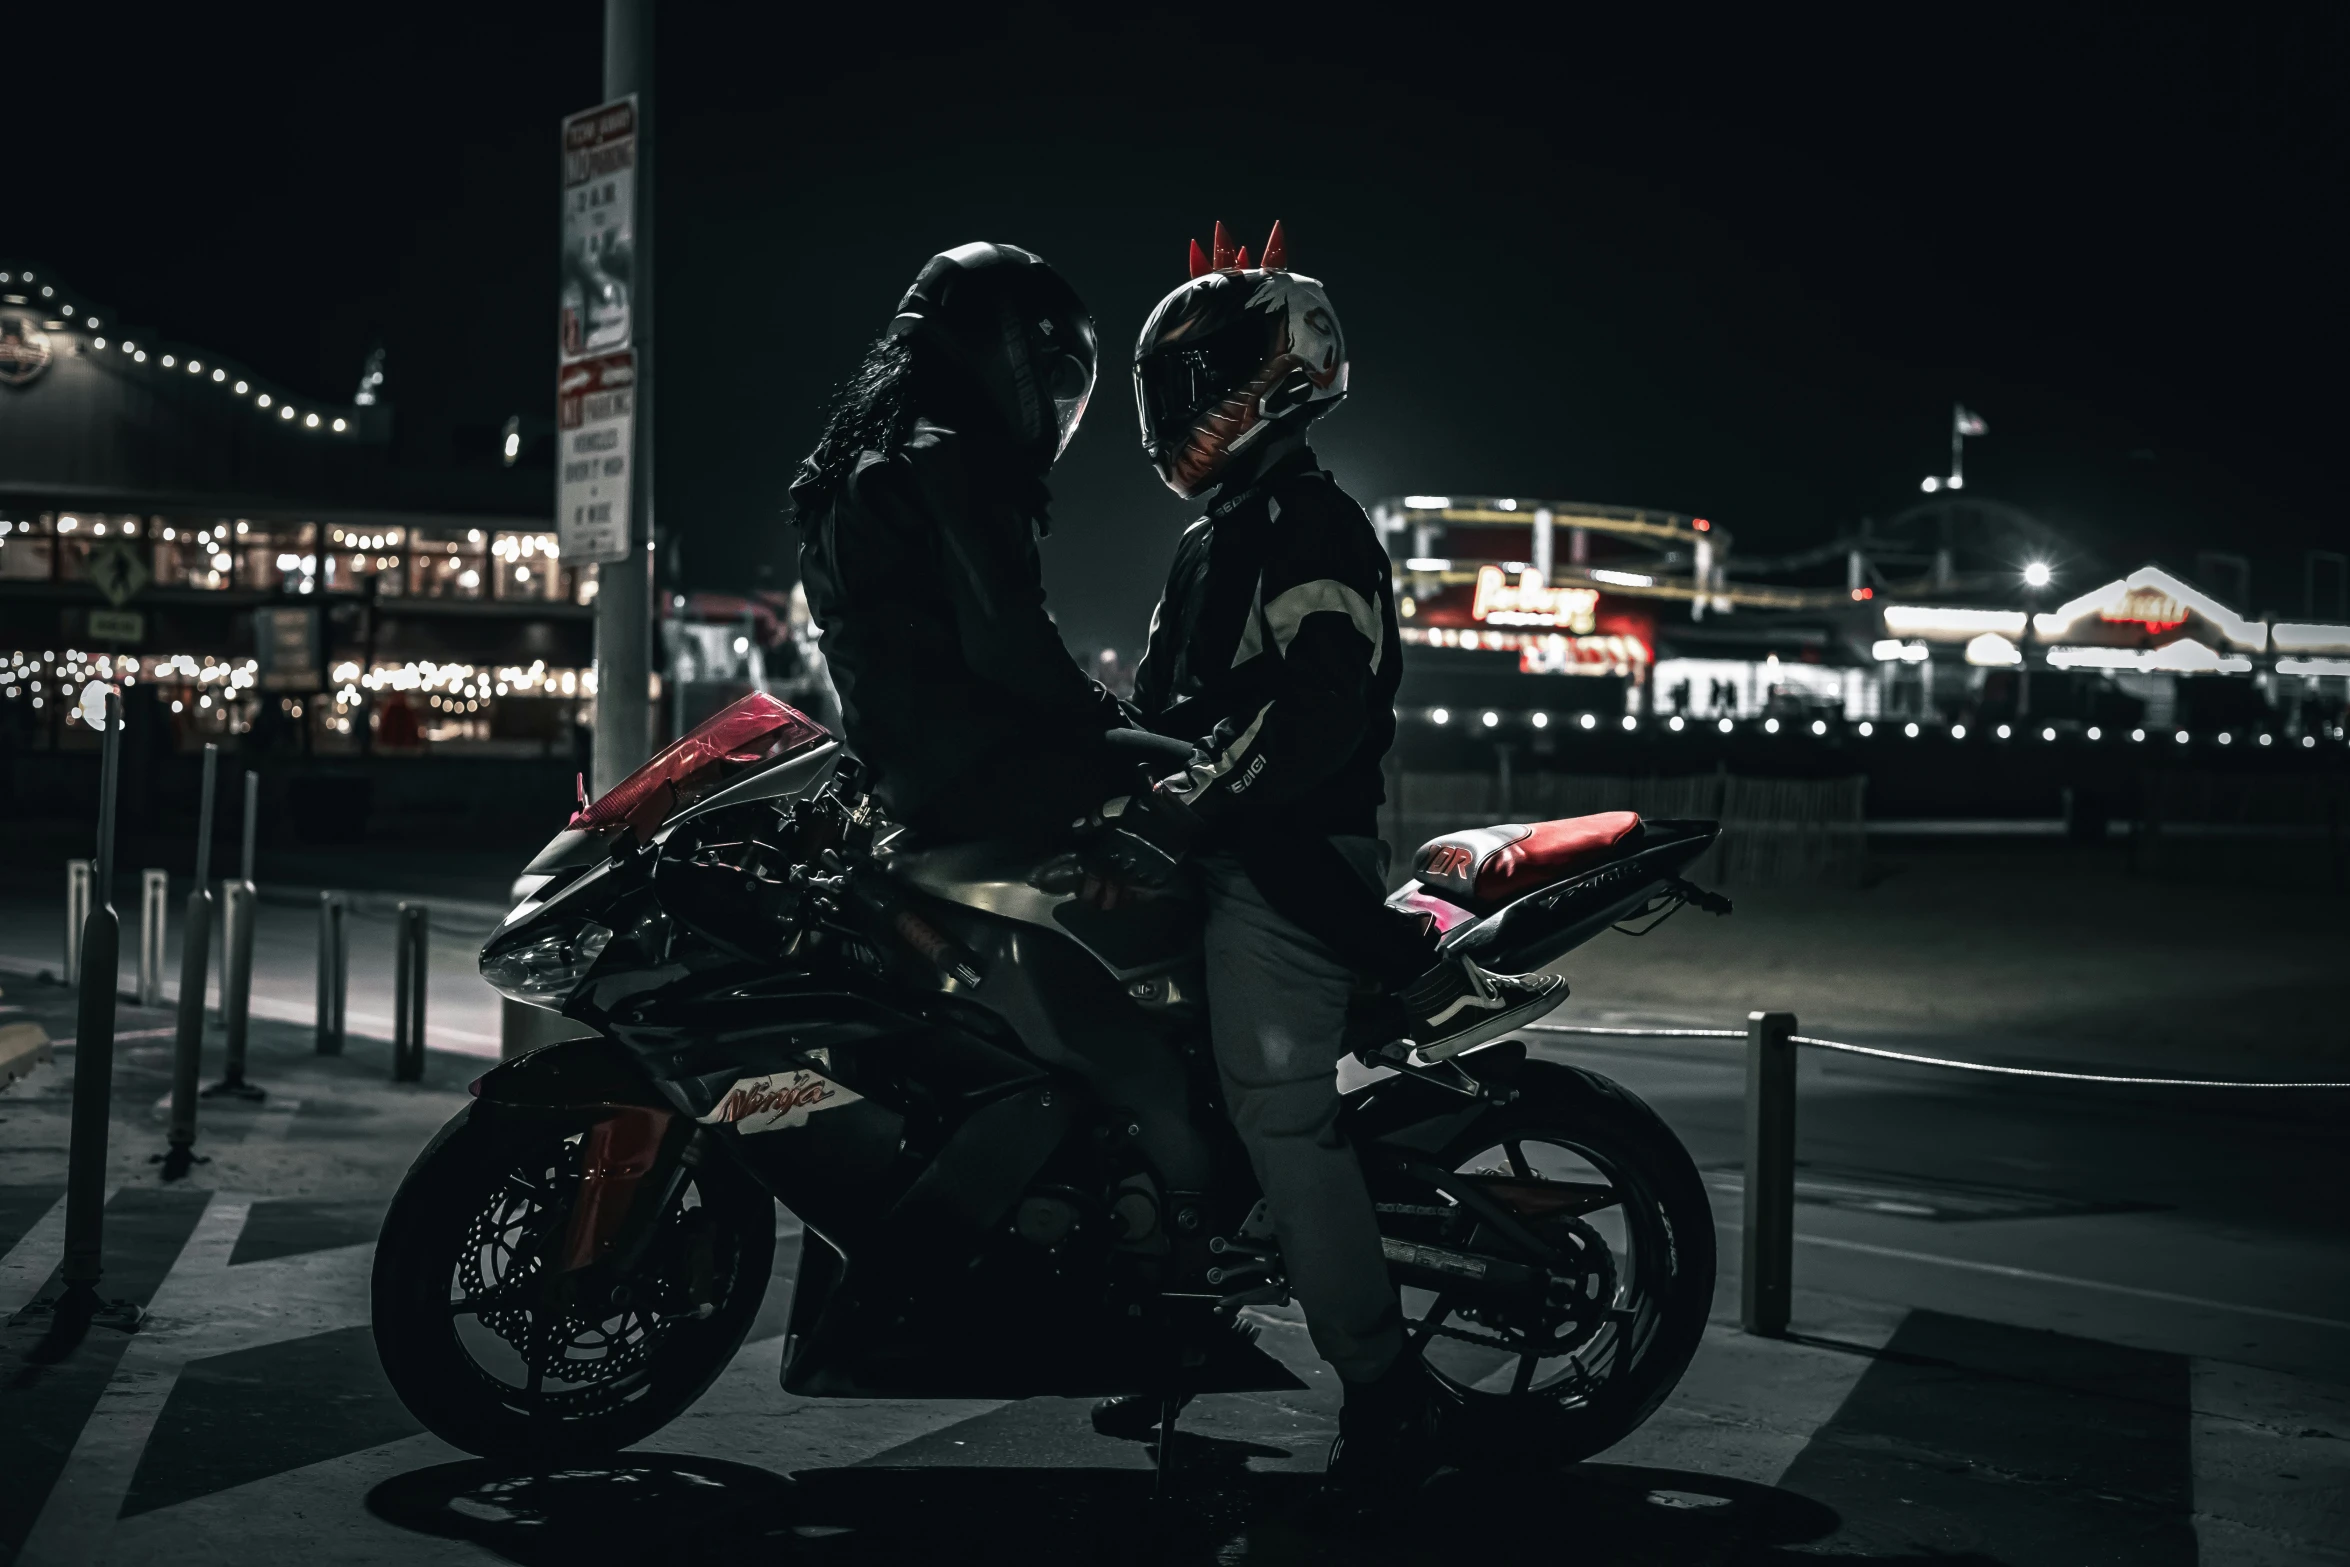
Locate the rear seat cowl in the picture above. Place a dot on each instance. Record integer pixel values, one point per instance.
(1484, 867)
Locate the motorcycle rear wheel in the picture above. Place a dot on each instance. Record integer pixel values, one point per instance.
(459, 1317)
(1561, 1385)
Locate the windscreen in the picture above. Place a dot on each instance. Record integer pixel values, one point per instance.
(746, 734)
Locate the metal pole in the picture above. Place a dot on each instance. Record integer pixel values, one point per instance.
(624, 589)
(78, 874)
(93, 1064)
(252, 812)
(154, 915)
(408, 987)
(238, 913)
(334, 970)
(240, 910)
(1766, 1277)
(187, 1055)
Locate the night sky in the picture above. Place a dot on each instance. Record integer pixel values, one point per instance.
(1737, 268)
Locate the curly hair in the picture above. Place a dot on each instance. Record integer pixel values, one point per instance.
(872, 411)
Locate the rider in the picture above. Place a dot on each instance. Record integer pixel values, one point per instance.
(1276, 640)
(919, 511)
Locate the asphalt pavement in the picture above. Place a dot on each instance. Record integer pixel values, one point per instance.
(2030, 1328)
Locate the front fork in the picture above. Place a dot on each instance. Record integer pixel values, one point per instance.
(634, 1162)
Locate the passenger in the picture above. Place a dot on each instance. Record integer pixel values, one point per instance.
(919, 512)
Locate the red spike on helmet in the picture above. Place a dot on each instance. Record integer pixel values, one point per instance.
(1224, 250)
(1276, 250)
(1241, 261)
(1199, 261)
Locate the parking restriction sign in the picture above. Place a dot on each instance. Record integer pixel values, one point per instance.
(595, 400)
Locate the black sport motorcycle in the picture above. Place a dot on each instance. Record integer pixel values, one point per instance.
(989, 1099)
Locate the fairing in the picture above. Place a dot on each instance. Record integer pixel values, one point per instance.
(754, 731)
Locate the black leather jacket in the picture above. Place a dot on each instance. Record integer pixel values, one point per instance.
(922, 570)
(1276, 640)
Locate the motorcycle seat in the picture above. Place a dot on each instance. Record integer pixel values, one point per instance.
(1482, 868)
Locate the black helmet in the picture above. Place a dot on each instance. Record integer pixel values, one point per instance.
(1232, 355)
(1015, 332)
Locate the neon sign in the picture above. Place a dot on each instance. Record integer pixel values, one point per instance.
(1529, 603)
(2145, 606)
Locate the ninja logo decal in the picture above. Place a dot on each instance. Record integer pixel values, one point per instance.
(776, 1101)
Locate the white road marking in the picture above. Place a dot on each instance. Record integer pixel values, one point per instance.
(78, 1517)
(2005, 1271)
(32, 1259)
(197, 1312)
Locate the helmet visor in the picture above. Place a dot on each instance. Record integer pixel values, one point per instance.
(1069, 383)
(1175, 385)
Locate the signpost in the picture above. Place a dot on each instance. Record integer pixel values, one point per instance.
(603, 509)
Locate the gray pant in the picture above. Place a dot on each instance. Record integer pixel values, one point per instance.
(1276, 1011)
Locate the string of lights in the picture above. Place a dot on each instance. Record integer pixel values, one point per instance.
(275, 405)
(224, 689)
(1493, 718)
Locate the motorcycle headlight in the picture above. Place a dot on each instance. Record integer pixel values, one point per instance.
(546, 969)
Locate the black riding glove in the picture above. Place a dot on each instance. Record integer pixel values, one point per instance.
(1144, 839)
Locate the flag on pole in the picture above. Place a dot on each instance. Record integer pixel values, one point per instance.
(1967, 422)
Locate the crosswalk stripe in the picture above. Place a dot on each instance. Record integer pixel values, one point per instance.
(32, 1259)
(78, 1519)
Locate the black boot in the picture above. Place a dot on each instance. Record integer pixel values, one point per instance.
(1387, 1435)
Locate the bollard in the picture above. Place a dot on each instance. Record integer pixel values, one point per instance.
(77, 914)
(334, 971)
(93, 1067)
(154, 913)
(252, 813)
(408, 976)
(1767, 1274)
(238, 911)
(187, 1055)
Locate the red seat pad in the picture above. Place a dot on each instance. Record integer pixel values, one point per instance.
(1485, 867)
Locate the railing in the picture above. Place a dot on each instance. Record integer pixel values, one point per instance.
(1767, 1261)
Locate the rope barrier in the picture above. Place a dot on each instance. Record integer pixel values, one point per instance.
(1638, 1033)
(1918, 1060)
(2027, 1071)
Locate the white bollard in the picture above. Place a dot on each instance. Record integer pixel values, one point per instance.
(78, 876)
(154, 928)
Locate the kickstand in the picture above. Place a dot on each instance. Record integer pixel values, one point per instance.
(1169, 1407)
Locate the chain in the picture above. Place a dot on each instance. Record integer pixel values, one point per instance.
(1918, 1060)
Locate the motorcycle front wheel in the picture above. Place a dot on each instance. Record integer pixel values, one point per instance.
(495, 1358)
(1556, 1335)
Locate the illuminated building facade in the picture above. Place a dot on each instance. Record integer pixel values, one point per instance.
(256, 563)
(1500, 594)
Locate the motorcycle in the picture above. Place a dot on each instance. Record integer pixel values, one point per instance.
(989, 1100)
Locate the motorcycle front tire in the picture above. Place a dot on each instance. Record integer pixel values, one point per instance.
(445, 1384)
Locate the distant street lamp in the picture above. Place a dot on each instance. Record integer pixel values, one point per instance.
(2037, 574)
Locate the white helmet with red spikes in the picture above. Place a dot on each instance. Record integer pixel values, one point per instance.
(1241, 350)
